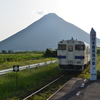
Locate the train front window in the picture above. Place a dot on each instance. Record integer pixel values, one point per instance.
(79, 47)
(61, 47)
(70, 48)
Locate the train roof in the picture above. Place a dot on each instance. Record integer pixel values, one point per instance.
(73, 41)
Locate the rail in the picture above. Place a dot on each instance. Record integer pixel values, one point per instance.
(43, 88)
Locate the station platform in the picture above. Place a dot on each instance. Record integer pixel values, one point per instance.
(78, 89)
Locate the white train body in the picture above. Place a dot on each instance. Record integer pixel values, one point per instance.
(73, 55)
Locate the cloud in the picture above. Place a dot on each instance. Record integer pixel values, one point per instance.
(41, 12)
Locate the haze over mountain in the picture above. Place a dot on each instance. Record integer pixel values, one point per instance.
(44, 33)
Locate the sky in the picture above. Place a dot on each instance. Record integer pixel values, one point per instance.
(16, 15)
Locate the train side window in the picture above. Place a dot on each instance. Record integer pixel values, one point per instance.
(70, 48)
(79, 47)
(61, 47)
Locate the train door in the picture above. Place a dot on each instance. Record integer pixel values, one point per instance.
(70, 54)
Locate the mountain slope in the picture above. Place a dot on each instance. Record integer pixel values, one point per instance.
(42, 34)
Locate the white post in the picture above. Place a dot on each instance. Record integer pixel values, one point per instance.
(38, 65)
(29, 67)
(93, 75)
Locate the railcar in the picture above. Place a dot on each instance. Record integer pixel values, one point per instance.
(73, 55)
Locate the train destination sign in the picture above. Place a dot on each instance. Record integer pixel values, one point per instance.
(93, 73)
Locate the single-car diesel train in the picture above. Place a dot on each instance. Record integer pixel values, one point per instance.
(73, 55)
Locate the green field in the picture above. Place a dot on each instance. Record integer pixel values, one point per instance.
(27, 80)
(8, 60)
(19, 57)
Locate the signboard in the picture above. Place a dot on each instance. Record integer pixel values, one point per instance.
(16, 68)
(93, 75)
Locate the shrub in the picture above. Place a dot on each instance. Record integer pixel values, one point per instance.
(50, 53)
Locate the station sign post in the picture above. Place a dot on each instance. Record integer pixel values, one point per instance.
(93, 72)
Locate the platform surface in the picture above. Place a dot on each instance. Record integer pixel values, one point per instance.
(78, 89)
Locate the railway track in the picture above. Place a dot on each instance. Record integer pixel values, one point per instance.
(58, 83)
(29, 96)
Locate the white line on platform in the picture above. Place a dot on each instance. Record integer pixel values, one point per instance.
(78, 93)
(82, 85)
(84, 80)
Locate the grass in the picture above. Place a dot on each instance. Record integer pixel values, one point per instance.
(86, 72)
(19, 57)
(6, 65)
(28, 81)
(8, 60)
(46, 93)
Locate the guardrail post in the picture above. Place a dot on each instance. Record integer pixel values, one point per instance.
(45, 63)
(29, 67)
(38, 65)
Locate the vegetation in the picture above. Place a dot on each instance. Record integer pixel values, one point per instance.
(98, 63)
(86, 72)
(47, 92)
(18, 57)
(28, 81)
(22, 63)
(50, 53)
(25, 78)
(20, 52)
(23, 58)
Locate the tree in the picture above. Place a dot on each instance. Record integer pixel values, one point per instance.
(10, 51)
(54, 53)
(50, 53)
(4, 52)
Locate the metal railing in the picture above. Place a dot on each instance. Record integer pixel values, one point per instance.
(28, 66)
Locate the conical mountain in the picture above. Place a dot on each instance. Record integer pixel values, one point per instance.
(42, 34)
